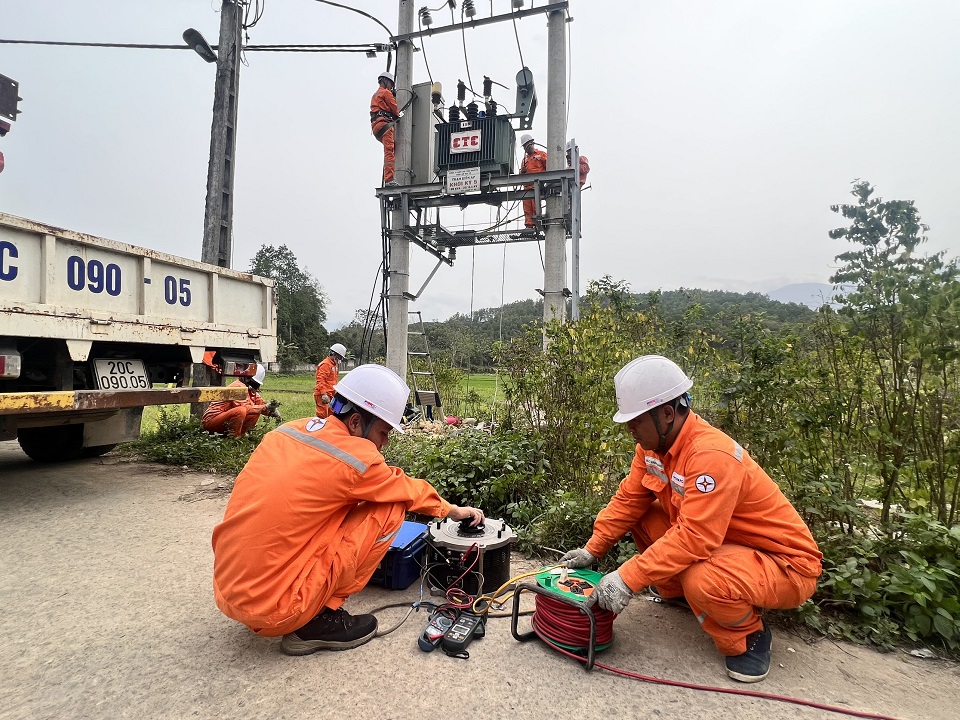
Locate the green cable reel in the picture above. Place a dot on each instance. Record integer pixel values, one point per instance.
(579, 585)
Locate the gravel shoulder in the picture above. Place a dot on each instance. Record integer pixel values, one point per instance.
(108, 613)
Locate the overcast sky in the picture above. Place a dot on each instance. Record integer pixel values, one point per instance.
(719, 134)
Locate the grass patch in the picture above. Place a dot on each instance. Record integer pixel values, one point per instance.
(176, 438)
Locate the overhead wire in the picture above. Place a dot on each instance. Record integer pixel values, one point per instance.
(361, 47)
(255, 7)
(566, 120)
(516, 34)
(466, 61)
(423, 50)
(360, 12)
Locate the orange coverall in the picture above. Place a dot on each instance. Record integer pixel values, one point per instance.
(327, 374)
(234, 417)
(711, 525)
(311, 516)
(384, 112)
(584, 169)
(533, 163)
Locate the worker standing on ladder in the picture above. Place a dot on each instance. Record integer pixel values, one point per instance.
(384, 113)
(534, 161)
(584, 166)
(328, 372)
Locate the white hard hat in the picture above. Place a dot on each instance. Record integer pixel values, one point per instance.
(525, 138)
(339, 350)
(646, 383)
(385, 75)
(376, 389)
(260, 374)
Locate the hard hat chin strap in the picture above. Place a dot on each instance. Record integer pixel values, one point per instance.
(662, 445)
(339, 406)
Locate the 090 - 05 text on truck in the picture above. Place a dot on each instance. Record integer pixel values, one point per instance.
(93, 330)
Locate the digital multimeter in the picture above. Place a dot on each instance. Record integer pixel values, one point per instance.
(467, 626)
(434, 631)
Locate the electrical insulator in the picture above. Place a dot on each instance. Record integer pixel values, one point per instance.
(461, 91)
(425, 18)
(517, 4)
(487, 87)
(491, 108)
(468, 9)
(436, 94)
(472, 111)
(454, 114)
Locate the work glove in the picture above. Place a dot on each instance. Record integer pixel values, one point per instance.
(324, 399)
(611, 593)
(270, 409)
(579, 558)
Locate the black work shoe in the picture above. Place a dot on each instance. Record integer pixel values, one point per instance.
(754, 664)
(330, 630)
(679, 601)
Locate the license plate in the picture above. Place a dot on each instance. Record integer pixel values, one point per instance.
(121, 375)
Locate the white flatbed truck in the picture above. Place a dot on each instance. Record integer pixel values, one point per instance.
(93, 330)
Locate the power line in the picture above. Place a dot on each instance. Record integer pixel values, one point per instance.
(256, 7)
(361, 12)
(362, 47)
(423, 50)
(463, 33)
(517, 36)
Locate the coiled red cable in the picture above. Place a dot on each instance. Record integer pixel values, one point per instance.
(558, 622)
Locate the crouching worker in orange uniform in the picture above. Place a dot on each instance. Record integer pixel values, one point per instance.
(384, 113)
(328, 372)
(714, 531)
(312, 515)
(236, 417)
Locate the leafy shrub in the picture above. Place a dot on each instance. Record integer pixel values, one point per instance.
(180, 440)
(473, 467)
(899, 585)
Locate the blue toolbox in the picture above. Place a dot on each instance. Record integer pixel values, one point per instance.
(404, 560)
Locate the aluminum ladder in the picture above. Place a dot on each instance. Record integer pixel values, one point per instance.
(425, 392)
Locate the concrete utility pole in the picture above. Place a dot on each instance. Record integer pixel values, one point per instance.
(218, 215)
(555, 268)
(399, 278)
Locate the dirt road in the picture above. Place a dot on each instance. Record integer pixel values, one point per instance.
(108, 613)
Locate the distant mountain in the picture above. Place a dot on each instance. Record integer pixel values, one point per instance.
(813, 295)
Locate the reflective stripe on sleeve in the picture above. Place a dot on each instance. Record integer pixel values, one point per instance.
(325, 447)
(388, 536)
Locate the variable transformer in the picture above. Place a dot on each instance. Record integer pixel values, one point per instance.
(458, 550)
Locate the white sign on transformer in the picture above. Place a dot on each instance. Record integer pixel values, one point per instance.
(463, 142)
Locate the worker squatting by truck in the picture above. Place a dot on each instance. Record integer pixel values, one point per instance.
(93, 330)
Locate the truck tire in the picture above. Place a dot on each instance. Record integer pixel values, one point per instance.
(52, 444)
(96, 450)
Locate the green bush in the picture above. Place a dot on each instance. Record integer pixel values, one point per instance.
(180, 440)
(900, 585)
(473, 467)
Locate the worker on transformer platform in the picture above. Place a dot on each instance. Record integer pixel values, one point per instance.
(584, 166)
(312, 515)
(237, 417)
(384, 113)
(328, 372)
(534, 161)
(713, 531)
